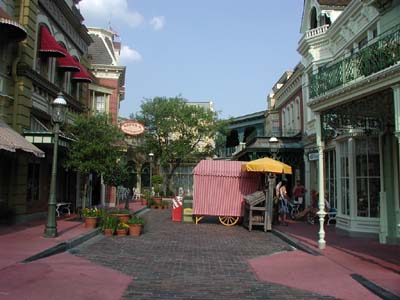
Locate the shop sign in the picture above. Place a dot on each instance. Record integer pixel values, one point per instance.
(132, 127)
(313, 156)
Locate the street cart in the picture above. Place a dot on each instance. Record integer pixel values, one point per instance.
(270, 167)
(219, 190)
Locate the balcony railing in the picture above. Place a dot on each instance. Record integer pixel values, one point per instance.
(381, 54)
(316, 31)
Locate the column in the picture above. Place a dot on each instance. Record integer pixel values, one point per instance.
(396, 100)
(321, 186)
(307, 184)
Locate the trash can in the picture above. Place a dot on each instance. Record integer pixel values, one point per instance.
(177, 209)
(188, 209)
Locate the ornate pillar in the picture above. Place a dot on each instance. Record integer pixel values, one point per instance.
(321, 185)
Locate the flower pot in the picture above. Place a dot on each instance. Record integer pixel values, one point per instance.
(143, 201)
(135, 229)
(108, 231)
(121, 232)
(90, 222)
(157, 200)
(123, 218)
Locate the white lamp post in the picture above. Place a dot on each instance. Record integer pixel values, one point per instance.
(59, 109)
(151, 158)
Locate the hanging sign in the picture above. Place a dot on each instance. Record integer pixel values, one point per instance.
(313, 156)
(132, 127)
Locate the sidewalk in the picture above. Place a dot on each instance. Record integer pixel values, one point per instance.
(62, 276)
(349, 268)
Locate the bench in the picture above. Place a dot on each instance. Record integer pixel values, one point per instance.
(63, 206)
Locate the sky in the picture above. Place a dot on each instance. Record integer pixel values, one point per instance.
(230, 52)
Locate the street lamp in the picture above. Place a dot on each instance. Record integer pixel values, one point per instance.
(274, 147)
(58, 112)
(151, 158)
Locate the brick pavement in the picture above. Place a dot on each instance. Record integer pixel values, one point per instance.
(187, 261)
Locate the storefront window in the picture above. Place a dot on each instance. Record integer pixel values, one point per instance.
(330, 177)
(344, 178)
(367, 177)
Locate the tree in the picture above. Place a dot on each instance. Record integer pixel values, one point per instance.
(96, 148)
(177, 132)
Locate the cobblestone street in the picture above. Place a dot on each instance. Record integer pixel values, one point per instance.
(187, 261)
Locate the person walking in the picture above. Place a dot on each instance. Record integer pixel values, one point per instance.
(298, 194)
(283, 202)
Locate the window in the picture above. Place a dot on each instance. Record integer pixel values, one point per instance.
(100, 103)
(344, 177)
(330, 177)
(313, 18)
(363, 42)
(367, 177)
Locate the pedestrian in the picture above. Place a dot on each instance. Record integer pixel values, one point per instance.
(298, 193)
(283, 202)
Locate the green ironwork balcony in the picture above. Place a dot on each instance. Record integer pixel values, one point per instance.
(381, 54)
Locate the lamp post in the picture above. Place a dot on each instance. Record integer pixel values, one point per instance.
(59, 108)
(151, 158)
(273, 147)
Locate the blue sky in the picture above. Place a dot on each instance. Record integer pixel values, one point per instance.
(230, 52)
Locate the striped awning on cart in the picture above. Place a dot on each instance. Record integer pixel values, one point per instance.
(219, 187)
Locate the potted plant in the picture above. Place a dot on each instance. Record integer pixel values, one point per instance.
(135, 225)
(123, 214)
(91, 215)
(109, 224)
(122, 228)
(146, 197)
(157, 182)
(164, 204)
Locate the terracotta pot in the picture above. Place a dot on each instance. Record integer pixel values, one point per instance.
(143, 201)
(157, 200)
(108, 232)
(123, 218)
(135, 229)
(121, 232)
(90, 222)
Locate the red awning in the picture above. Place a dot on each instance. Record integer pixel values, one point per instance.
(48, 44)
(82, 75)
(68, 63)
(10, 28)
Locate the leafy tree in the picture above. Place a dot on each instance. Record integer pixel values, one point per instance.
(96, 149)
(177, 132)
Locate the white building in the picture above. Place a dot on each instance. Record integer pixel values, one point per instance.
(351, 94)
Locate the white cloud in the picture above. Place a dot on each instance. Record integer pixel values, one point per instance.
(129, 55)
(157, 22)
(99, 12)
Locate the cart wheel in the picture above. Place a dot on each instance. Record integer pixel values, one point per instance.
(228, 221)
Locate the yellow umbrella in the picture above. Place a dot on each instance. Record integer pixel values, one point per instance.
(267, 164)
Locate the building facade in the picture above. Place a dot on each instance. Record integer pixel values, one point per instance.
(50, 60)
(351, 90)
(105, 95)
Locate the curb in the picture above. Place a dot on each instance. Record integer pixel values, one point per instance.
(295, 243)
(376, 289)
(64, 246)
